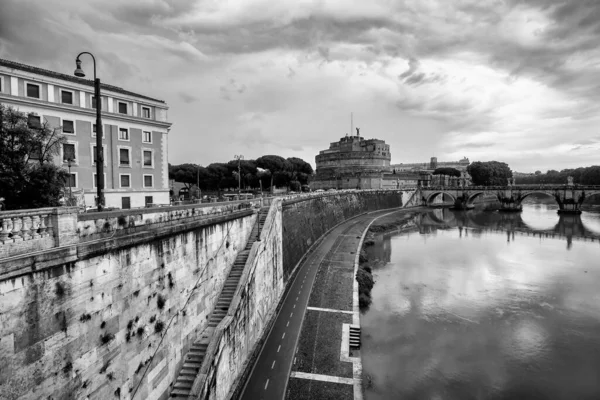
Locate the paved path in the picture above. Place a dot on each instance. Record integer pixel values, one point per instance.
(269, 377)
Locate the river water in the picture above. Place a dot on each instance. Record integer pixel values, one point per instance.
(485, 305)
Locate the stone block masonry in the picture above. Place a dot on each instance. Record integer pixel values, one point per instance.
(306, 220)
(90, 327)
(252, 307)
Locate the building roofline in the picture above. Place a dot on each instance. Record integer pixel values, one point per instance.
(74, 79)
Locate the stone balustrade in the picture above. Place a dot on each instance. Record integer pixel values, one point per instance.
(24, 231)
(16, 226)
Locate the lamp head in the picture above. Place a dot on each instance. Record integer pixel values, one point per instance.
(79, 72)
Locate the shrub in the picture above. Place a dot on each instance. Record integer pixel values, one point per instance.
(85, 317)
(160, 302)
(158, 327)
(106, 337)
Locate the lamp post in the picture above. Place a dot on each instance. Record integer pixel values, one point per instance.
(239, 158)
(70, 191)
(99, 153)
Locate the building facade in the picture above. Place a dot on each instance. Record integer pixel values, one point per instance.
(432, 165)
(135, 132)
(352, 163)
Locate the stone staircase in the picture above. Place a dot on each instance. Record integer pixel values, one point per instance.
(354, 337)
(195, 356)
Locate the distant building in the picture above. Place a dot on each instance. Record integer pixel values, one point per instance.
(134, 133)
(432, 165)
(352, 163)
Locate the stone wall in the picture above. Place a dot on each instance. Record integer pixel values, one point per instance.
(306, 220)
(104, 319)
(252, 308)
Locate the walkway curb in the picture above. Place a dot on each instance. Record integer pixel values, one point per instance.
(357, 361)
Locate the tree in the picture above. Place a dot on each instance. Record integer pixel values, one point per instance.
(591, 176)
(28, 177)
(188, 174)
(489, 173)
(447, 171)
(538, 172)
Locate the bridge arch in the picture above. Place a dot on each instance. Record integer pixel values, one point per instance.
(475, 195)
(434, 194)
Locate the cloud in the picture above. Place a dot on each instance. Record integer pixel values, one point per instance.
(514, 78)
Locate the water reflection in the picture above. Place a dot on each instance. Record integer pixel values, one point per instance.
(536, 219)
(460, 312)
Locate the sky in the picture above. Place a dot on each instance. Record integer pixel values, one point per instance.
(507, 80)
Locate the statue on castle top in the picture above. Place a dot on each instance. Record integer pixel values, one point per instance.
(570, 180)
(357, 131)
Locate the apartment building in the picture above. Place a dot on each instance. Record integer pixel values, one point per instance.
(135, 132)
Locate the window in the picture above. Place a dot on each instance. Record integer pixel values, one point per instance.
(69, 152)
(124, 159)
(148, 158)
(125, 180)
(147, 137)
(72, 180)
(93, 101)
(146, 112)
(68, 126)
(148, 181)
(125, 203)
(34, 121)
(1, 83)
(122, 108)
(33, 90)
(123, 134)
(148, 200)
(66, 97)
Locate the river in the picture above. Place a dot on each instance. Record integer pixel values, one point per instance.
(485, 305)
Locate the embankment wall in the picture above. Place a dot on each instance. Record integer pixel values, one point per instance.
(306, 220)
(117, 317)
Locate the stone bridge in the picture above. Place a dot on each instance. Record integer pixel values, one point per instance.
(568, 197)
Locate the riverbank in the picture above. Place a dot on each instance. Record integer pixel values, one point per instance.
(325, 367)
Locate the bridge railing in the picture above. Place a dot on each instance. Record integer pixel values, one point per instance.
(514, 187)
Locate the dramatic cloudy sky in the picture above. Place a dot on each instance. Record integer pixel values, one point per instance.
(510, 80)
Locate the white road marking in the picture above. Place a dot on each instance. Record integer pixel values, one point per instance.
(288, 324)
(273, 366)
(278, 348)
(323, 378)
(294, 306)
(283, 335)
(329, 310)
(291, 314)
(266, 384)
(296, 298)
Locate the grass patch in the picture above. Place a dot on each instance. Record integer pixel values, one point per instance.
(304, 389)
(320, 342)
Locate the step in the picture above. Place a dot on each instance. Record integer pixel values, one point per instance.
(194, 357)
(180, 393)
(197, 352)
(188, 373)
(191, 364)
(199, 346)
(183, 385)
(186, 378)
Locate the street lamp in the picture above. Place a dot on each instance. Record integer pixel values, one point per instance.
(70, 191)
(99, 153)
(239, 158)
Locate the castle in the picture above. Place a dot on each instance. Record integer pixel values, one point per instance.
(357, 163)
(352, 163)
